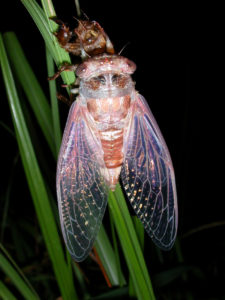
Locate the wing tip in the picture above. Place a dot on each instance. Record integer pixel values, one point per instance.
(79, 258)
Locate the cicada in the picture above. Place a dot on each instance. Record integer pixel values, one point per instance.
(111, 133)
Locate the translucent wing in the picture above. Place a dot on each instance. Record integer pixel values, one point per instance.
(81, 189)
(148, 177)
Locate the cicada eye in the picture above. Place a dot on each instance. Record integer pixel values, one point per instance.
(94, 83)
(119, 80)
(115, 77)
(100, 79)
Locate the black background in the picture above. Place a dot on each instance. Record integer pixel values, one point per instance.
(159, 44)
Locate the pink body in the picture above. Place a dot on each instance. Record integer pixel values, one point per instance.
(107, 88)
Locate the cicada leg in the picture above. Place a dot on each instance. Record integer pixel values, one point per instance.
(66, 100)
(64, 67)
(64, 36)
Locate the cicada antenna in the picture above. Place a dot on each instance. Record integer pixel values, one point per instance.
(80, 22)
(123, 48)
(85, 15)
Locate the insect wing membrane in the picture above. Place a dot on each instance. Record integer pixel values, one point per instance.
(148, 177)
(81, 189)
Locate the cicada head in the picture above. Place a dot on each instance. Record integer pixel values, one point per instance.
(106, 76)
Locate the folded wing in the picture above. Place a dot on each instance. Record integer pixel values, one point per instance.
(148, 176)
(81, 189)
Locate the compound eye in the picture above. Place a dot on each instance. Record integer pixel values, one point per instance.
(96, 82)
(116, 78)
(119, 80)
(101, 79)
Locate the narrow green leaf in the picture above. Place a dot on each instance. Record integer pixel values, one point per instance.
(122, 280)
(48, 9)
(19, 283)
(36, 184)
(130, 245)
(60, 53)
(80, 279)
(31, 87)
(6, 196)
(139, 228)
(5, 293)
(132, 233)
(17, 270)
(54, 102)
(107, 256)
(42, 21)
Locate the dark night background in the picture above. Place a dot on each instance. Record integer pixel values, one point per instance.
(159, 44)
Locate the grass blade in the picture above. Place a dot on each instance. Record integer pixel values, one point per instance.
(108, 259)
(36, 184)
(139, 228)
(122, 280)
(5, 293)
(19, 283)
(61, 55)
(43, 23)
(31, 87)
(14, 266)
(54, 102)
(130, 245)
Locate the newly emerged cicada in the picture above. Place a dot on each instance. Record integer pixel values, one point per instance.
(111, 132)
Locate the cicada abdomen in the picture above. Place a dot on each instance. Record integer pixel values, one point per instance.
(111, 133)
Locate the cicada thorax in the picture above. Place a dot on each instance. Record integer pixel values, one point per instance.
(107, 90)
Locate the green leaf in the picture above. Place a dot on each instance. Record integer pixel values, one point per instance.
(122, 280)
(36, 184)
(54, 102)
(130, 245)
(139, 228)
(11, 270)
(31, 87)
(47, 27)
(5, 293)
(108, 259)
